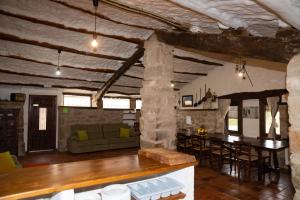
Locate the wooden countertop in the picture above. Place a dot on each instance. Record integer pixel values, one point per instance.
(31, 182)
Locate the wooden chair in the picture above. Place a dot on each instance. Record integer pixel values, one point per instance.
(199, 147)
(217, 152)
(245, 158)
(183, 143)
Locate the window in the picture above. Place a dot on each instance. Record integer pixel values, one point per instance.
(78, 100)
(42, 119)
(138, 104)
(268, 118)
(233, 118)
(116, 103)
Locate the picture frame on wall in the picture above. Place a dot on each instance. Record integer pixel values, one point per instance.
(187, 101)
(251, 112)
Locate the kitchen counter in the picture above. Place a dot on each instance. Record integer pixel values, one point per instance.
(36, 181)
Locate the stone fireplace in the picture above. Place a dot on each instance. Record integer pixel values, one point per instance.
(20, 122)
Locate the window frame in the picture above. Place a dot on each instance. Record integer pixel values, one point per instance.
(239, 104)
(262, 119)
(117, 108)
(135, 104)
(78, 94)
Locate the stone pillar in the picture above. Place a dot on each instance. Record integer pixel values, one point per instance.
(293, 86)
(158, 114)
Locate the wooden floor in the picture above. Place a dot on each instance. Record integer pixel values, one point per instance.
(209, 184)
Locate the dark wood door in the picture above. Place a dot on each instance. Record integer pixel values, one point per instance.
(41, 122)
(8, 131)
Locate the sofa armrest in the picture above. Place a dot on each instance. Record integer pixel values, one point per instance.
(73, 137)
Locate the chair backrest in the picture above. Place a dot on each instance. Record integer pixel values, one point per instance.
(181, 138)
(215, 144)
(243, 148)
(198, 141)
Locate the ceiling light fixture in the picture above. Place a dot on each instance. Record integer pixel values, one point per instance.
(172, 85)
(94, 42)
(240, 70)
(58, 72)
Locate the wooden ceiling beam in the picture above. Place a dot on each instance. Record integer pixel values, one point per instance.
(44, 76)
(148, 14)
(136, 56)
(46, 82)
(122, 93)
(180, 82)
(232, 42)
(205, 62)
(130, 76)
(126, 86)
(102, 16)
(42, 86)
(40, 75)
(191, 73)
(61, 26)
(66, 66)
(53, 46)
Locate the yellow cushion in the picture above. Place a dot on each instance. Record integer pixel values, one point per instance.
(124, 132)
(7, 162)
(82, 135)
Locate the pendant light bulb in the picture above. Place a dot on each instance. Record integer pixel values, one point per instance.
(172, 85)
(58, 72)
(94, 42)
(240, 74)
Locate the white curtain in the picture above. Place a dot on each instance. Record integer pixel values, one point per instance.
(224, 105)
(273, 105)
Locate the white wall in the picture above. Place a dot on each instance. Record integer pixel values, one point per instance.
(251, 126)
(224, 80)
(6, 90)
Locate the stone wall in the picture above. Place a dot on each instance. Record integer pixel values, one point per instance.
(158, 120)
(69, 116)
(293, 86)
(200, 118)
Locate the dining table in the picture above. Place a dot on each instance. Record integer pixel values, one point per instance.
(260, 145)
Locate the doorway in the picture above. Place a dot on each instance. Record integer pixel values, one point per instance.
(41, 122)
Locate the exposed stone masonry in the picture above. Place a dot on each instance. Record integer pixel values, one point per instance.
(293, 86)
(200, 118)
(158, 120)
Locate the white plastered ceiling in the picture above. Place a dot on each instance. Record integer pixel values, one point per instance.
(32, 32)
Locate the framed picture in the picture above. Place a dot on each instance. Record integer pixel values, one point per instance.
(187, 101)
(251, 112)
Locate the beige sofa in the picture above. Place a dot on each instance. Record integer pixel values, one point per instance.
(101, 137)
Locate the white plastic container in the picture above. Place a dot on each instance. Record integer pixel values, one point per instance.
(115, 192)
(154, 188)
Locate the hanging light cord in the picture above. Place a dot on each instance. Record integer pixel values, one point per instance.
(247, 74)
(58, 59)
(95, 21)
